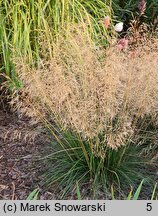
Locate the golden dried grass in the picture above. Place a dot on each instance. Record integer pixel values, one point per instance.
(92, 92)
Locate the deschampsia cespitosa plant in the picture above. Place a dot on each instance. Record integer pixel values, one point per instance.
(99, 94)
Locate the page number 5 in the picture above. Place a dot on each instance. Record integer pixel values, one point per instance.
(149, 206)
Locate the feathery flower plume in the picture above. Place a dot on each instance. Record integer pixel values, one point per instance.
(142, 6)
(122, 44)
(106, 22)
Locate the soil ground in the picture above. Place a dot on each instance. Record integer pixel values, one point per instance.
(21, 171)
(20, 146)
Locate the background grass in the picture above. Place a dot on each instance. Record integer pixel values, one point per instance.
(126, 10)
(24, 23)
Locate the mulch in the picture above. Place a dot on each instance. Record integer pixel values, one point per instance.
(20, 146)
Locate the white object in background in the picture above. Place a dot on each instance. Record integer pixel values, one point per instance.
(118, 27)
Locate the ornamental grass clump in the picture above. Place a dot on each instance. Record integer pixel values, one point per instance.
(93, 97)
(96, 104)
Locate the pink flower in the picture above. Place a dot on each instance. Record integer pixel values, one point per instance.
(122, 44)
(142, 6)
(106, 22)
